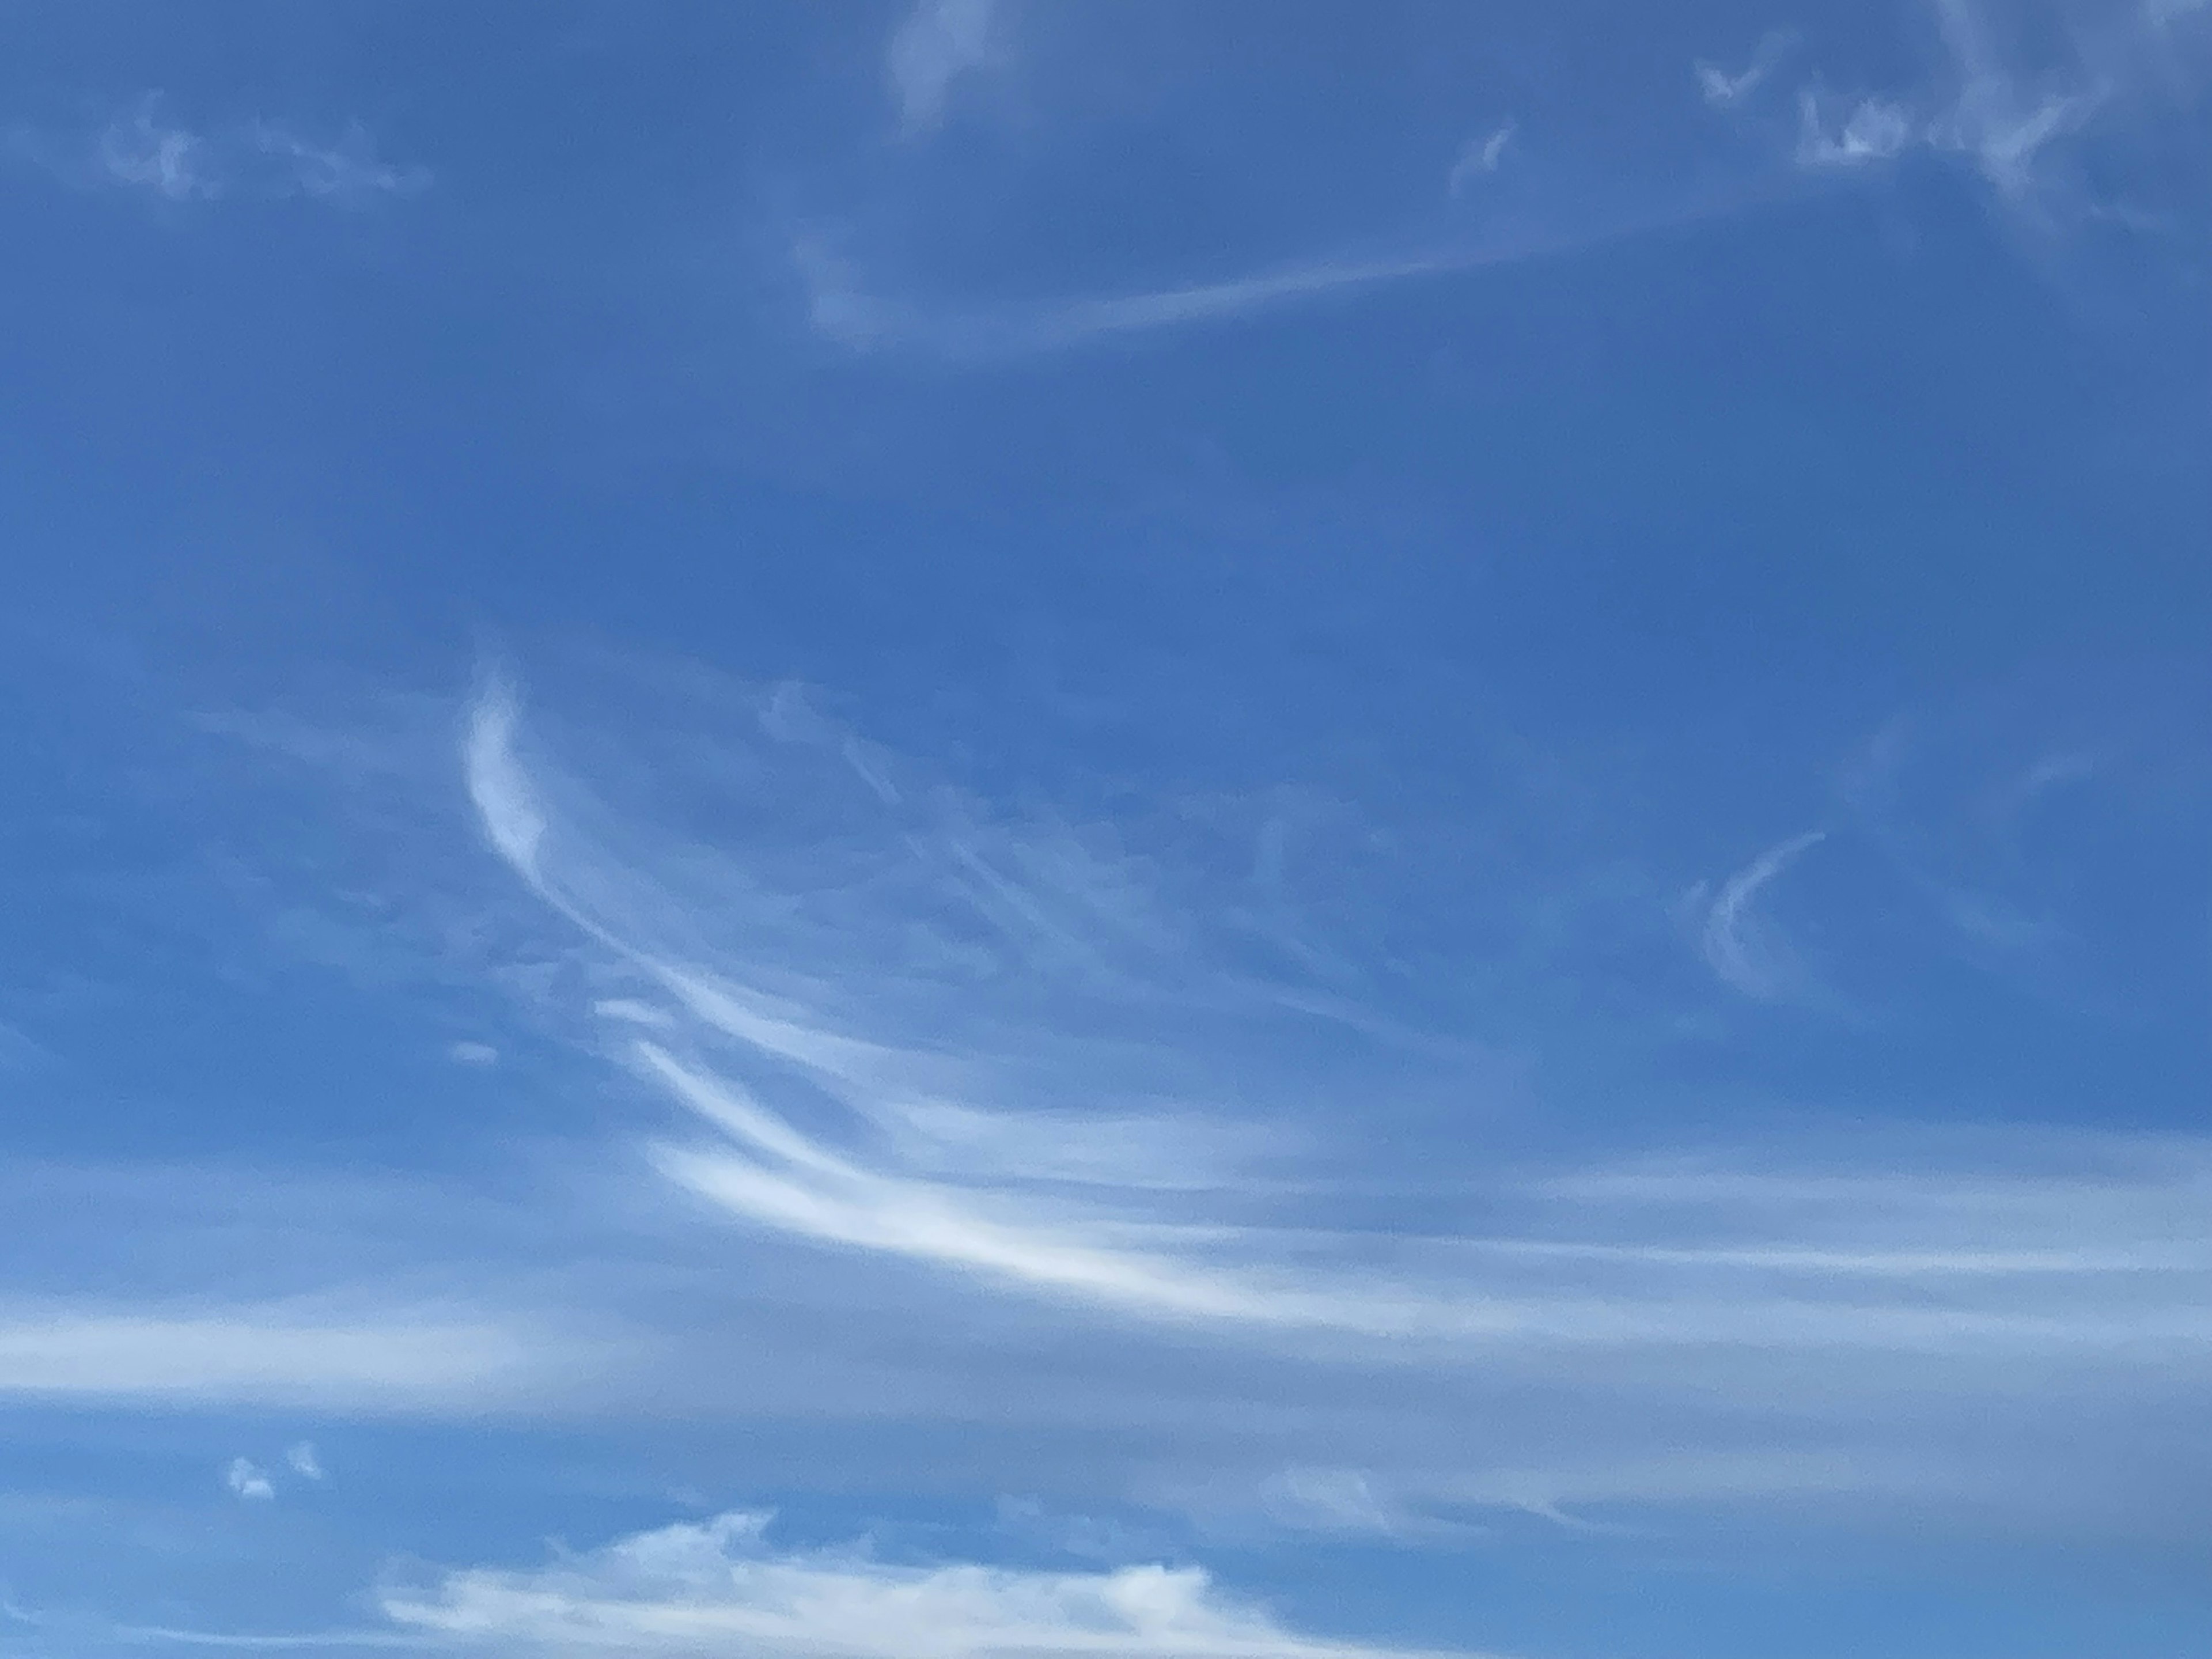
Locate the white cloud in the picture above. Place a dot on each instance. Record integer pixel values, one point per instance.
(2005, 112)
(143, 151)
(401, 1360)
(1417, 1501)
(957, 1206)
(841, 310)
(1872, 129)
(2005, 139)
(345, 169)
(245, 1479)
(939, 41)
(473, 1054)
(872, 1168)
(1740, 945)
(775, 1174)
(303, 1461)
(1954, 800)
(18, 1052)
(2008, 126)
(840, 313)
(144, 148)
(631, 1012)
(1480, 156)
(720, 1588)
(1723, 90)
(1331, 1501)
(2000, 123)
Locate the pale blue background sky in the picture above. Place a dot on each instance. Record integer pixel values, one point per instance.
(1405, 804)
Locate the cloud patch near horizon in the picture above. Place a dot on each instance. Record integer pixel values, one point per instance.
(721, 1589)
(393, 1359)
(832, 1127)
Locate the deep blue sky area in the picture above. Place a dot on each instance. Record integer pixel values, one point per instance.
(991, 830)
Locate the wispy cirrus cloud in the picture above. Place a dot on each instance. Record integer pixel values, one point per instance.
(1479, 157)
(1990, 810)
(846, 314)
(937, 43)
(1577, 1492)
(929, 1061)
(1867, 130)
(343, 168)
(1987, 123)
(390, 1359)
(1723, 88)
(145, 148)
(2029, 127)
(721, 1588)
(1740, 945)
(2023, 121)
(816, 1121)
(842, 309)
(1999, 118)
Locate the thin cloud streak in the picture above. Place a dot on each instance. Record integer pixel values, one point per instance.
(1709, 1268)
(842, 310)
(1410, 1505)
(1873, 130)
(345, 170)
(1740, 946)
(862, 322)
(395, 1359)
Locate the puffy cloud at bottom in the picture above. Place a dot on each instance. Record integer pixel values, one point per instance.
(721, 1588)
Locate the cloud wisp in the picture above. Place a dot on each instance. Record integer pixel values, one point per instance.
(937, 43)
(722, 1588)
(245, 1480)
(843, 310)
(1871, 129)
(345, 168)
(1479, 157)
(2016, 125)
(1725, 89)
(393, 1359)
(849, 316)
(144, 148)
(2030, 127)
(1987, 813)
(1741, 946)
(826, 1130)
(144, 151)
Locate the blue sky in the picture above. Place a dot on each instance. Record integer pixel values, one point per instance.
(1000, 830)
